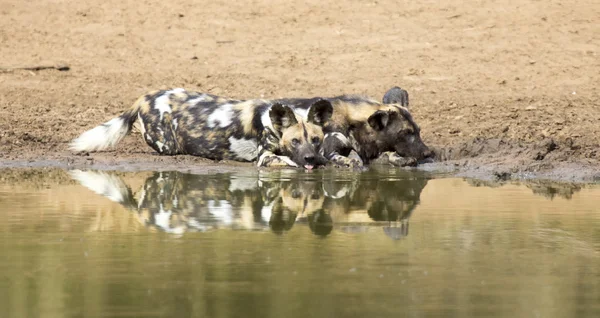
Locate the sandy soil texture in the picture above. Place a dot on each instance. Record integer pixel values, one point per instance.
(503, 88)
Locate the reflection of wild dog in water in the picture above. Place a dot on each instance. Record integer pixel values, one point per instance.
(175, 202)
(375, 130)
(292, 198)
(381, 199)
(178, 202)
(183, 122)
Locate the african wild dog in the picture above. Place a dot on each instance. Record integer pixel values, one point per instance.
(185, 122)
(384, 132)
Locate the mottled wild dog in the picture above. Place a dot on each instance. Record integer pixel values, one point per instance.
(383, 131)
(184, 122)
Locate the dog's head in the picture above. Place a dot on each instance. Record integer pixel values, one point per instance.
(294, 198)
(393, 129)
(301, 139)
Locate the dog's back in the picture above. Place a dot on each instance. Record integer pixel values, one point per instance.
(184, 122)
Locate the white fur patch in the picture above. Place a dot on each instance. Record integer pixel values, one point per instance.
(339, 194)
(266, 211)
(340, 137)
(101, 137)
(303, 113)
(221, 210)
(175, 124)
(265, 119)
(162, 219)
(162, 103)
(160, 146)
(246, 149)
(222, 116)
(102, 183)
(142, 198)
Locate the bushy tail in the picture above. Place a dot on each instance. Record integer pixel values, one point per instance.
(110, 186)
(108, 134)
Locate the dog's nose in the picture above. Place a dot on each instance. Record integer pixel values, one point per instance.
(309, 159)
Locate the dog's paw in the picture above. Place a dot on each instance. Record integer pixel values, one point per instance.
(394, 159)
(278, 161)
(346, 162)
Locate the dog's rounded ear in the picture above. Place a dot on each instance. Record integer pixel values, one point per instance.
(320, 223)
(396, 95)
(379, 120)
(282, 117)
(320, 112)
(281, 221)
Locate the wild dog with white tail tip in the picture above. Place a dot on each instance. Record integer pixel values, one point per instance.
(184, 122)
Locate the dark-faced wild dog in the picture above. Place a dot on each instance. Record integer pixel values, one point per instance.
(383, 131)
(183, 122)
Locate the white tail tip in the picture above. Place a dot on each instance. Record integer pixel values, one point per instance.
(102, 183)
(101, 137)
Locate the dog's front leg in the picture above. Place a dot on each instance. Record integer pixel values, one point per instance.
(338, 149)
(352, 160)
(269, 159)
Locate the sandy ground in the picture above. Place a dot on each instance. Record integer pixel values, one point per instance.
(502, 89)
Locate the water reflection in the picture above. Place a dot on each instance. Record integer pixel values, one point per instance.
(546, 189)
(471, 251)
(177, 202)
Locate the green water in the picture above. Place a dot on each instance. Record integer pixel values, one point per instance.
(383, 243)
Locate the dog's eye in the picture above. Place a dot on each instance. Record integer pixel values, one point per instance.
(296, 194)
(316, 140)
(295, 142)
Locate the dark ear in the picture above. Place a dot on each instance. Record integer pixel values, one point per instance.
(320, 112)
(396, 95)
(379, 120)
(282, 117)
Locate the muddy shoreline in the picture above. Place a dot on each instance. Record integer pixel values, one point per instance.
(486, 167)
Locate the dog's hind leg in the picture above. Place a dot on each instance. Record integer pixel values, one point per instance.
(160, 133)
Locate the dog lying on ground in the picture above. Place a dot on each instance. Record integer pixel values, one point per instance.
(383, 132)
(184, 122)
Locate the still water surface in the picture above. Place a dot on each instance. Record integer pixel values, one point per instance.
(381, 243)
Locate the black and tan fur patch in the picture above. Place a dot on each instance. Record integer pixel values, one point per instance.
(184, 122)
